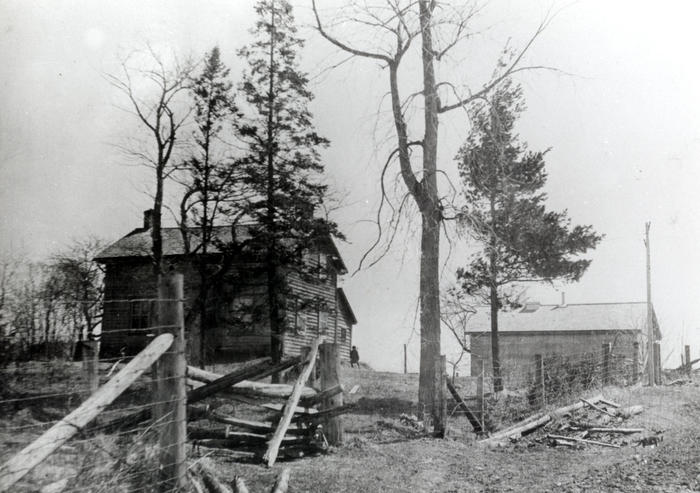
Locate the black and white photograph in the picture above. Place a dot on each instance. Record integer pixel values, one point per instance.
(349, 246)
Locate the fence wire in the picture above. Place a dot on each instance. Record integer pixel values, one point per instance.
(550, 381)
(37, 393)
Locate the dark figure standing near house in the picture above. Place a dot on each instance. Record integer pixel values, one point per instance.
(354, 357)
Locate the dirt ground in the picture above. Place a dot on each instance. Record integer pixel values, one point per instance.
(381, 454)
(385, 453)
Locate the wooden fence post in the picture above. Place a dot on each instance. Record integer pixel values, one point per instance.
(688, 365)
(33, 454)
(330, 377)
(91, 363)
(539, 378)
(172, 393)
(607, 350)
(480, 394)
(440, 403)
(657, 363)
(634, 377)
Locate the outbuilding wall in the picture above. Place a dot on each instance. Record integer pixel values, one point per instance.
(518, 349)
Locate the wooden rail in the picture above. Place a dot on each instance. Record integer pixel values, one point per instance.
(34, 453)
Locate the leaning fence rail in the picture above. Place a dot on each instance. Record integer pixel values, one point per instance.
(81, 450)
(35, 453)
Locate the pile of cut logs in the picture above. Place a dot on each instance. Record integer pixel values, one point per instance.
(302, 421)
(567, 427)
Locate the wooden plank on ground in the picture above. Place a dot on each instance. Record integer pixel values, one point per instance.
(273, 449)
(597, 408)
(583, 440)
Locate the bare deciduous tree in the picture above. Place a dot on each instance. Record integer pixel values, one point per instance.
(440, 28)
(153, 94)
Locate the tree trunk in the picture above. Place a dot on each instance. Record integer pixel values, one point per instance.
(495, 348)
(276, 350)
(429, 309)
(428, 203)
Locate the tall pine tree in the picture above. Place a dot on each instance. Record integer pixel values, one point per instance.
(520, 240)
(282, 162)
(211, 182)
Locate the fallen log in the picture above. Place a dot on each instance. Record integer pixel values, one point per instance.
(476, 425)
(274, 445)
(518, 432)
(531, 424)
(562, 411)
(609, 403)
(624, 431)
(282, 483)
(563, 443)
(597, 408)
(583, 440)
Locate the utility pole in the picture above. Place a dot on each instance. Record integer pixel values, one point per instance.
(650, 315)
(405, 366)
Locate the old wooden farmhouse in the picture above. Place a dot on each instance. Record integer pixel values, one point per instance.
(568, 330)
(235, 324)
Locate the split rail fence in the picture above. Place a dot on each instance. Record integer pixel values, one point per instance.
(122, 424)
(64, 422)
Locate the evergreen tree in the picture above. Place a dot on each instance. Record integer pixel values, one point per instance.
(521, 241)
(211, 180)
(282, 161)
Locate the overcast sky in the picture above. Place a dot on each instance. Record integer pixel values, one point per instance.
(623, 122)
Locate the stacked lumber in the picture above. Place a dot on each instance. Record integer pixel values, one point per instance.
(293, 428)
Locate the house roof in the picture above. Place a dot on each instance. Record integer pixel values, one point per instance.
(345, 304)
(534, 317)
(138, 244)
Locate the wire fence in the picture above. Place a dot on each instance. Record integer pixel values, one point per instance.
(550, 381)
(99, 424)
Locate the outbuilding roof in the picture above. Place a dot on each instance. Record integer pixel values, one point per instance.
(534, 317)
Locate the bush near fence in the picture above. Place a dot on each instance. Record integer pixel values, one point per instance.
(552, 379)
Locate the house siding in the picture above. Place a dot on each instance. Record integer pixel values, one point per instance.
(132, 279)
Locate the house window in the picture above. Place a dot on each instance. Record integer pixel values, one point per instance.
(343, 334)
(322, 321)
(299, 318)
(140, 314)
(322, 266)
(242, 309)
